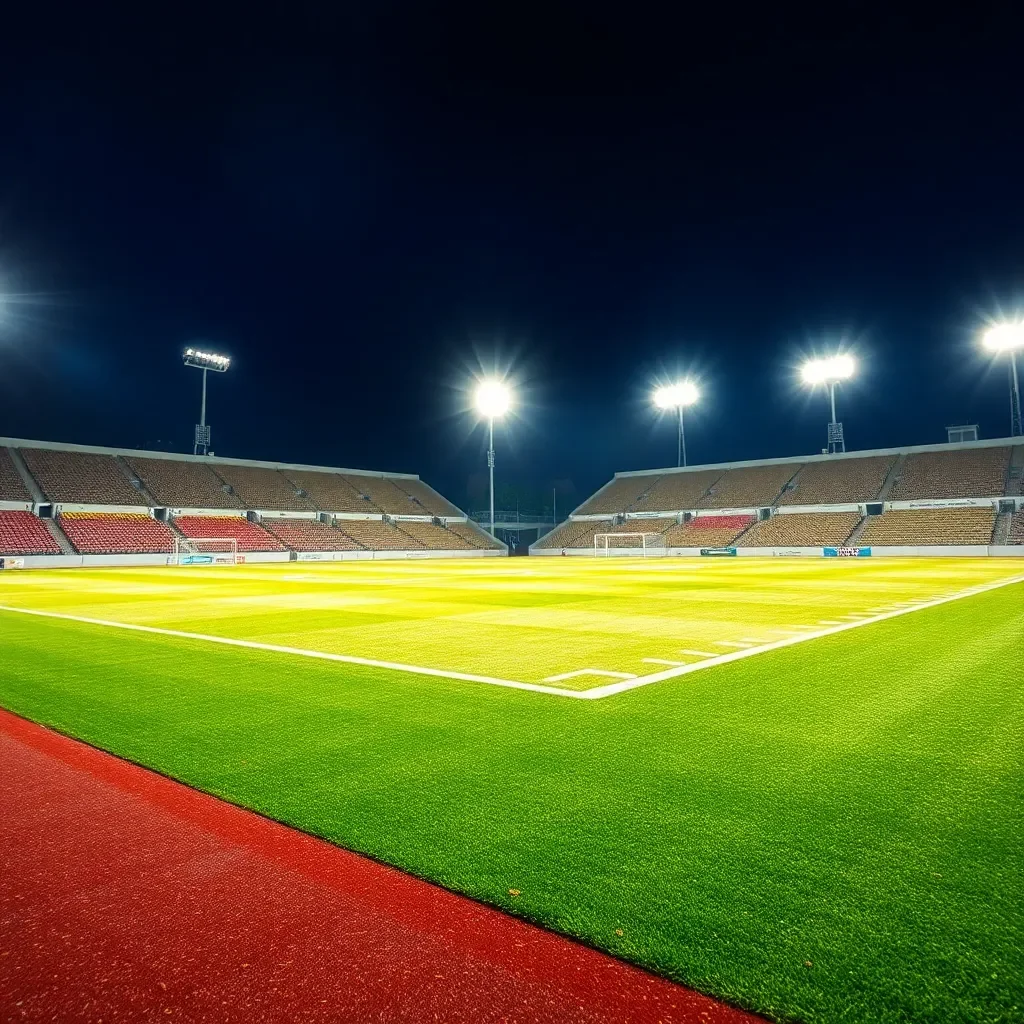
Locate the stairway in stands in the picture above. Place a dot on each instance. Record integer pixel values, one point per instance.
(1015, 472)
(145, 497)
(890, 481)
(1001, 530)
(853, 540)
(26, 477)
(59, 536)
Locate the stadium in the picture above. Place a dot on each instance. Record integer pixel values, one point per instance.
(599, 597)
(776, 779)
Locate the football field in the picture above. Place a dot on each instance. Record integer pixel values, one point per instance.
(595, 627)
(793, 784)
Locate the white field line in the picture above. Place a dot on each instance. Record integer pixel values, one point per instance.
(590, 672)
(662, 661)
(735, 643)
(609, 690)
(829, 622)
(322, 655)
(594, 693)
(699, 654)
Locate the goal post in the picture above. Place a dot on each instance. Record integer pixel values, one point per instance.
(641, 544)
(205, 551)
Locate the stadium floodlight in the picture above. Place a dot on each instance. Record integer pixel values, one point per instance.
(1009, 338)
(493, 399)
(205, 361)
(830, 371)
(678, 396)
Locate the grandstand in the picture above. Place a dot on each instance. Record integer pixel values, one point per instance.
(310, 535)
(839, 482)
(21, 533)
(831, 501)
(78, 489)
(708, 531)
(676, 492)
(914, 527)
(749, 486)
(1017, 528)
(250, 537)
(963, 473)
(808, 529)
(121, 533)
(175, 483)
(11, 486)
(263, 488)
(80, 477)
(331, 492)
(379, 535)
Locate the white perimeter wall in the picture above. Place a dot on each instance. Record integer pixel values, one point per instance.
(257, 557)
(936, 551)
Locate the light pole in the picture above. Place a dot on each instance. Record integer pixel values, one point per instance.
(492, 400)
(204, 361)
(1009, 338)
(830, 371)
(678, 396)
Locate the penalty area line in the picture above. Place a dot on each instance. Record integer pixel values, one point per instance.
(610, 689)
(347, 659)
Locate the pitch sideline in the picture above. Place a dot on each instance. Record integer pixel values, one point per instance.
(594, 693)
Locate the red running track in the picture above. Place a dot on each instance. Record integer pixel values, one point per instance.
(125, 896)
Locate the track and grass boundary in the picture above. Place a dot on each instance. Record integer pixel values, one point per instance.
(180, 852)
(593, 693)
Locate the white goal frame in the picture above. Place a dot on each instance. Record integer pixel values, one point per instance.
(601, 544)
(205, 551)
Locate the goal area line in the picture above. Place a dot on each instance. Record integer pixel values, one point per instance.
(593, 693)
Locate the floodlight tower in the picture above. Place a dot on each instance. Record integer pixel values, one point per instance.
(204, 361)
(830, 371)
(1009, 338)
(493, 399)
(678, 396)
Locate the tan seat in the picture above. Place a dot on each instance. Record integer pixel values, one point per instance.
(803, 529)
(912, 527)
(839, 481)
(964, 473)
(80, 477)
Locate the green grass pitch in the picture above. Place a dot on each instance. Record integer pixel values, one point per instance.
(826, 832)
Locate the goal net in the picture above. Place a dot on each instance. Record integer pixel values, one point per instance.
(205, 551)
(637, 544)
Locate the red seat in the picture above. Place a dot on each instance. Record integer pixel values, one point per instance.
(21, 533)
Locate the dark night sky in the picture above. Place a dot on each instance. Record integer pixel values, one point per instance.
(363, 206)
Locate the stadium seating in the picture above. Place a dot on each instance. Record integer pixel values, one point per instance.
(433, 537)
(428, 499)
(330, 492)
(378, 535)
(385, 494)
(12, 488)
(803, 529)
(21, 533)
(178, 484)
(474, 536)
(249, 536)
(310, 535)
(1017, 528)
(749, 487)
(80, 477)
(128, 533)
(259, 487)
(934, 526)
(574, 533)
(963, 473)
(839, 481)
(619, 495)
(676, 492)
(708, 531)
